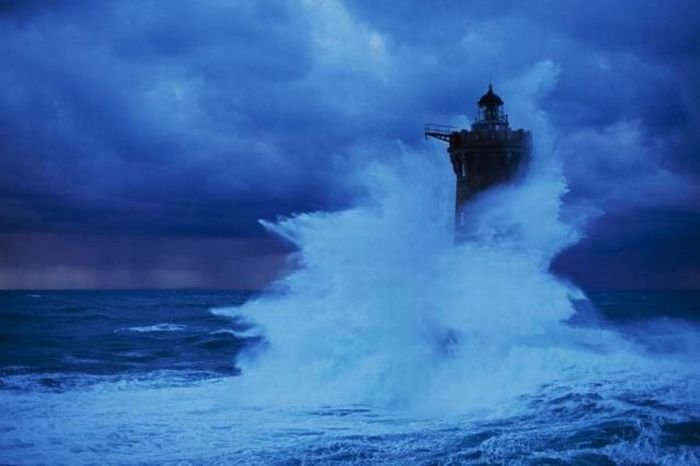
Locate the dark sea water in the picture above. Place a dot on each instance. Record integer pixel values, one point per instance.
(150, 377)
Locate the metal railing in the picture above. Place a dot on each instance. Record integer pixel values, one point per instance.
(434, 128)
(441, 132)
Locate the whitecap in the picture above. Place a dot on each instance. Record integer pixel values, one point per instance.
(164, 327)
(228, 311)
(224, 331)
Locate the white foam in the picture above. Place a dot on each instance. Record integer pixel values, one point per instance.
(163, 327)
(226, 311)
(386, 310)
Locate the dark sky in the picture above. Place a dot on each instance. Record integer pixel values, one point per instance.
(140, 141)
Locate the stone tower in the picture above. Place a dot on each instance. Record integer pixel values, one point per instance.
(488, 154)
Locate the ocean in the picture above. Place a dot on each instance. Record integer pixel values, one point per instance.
(152, 377)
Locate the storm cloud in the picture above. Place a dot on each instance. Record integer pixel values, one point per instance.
(194, 119)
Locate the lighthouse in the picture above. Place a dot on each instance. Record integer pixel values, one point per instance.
(488, 154)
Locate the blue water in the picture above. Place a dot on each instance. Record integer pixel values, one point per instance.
(151, 377)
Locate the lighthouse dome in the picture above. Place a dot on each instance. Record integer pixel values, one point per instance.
(490, 99)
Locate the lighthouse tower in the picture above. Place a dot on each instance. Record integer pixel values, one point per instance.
(489, 154)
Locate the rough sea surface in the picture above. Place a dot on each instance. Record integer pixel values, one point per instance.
(149, 377)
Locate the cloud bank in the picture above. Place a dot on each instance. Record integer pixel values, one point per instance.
(197, 118)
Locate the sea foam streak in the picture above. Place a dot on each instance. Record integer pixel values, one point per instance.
(386, 309)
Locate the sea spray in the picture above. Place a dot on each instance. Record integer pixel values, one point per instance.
(385, 309)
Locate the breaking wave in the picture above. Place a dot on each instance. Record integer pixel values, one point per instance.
(385, 309)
